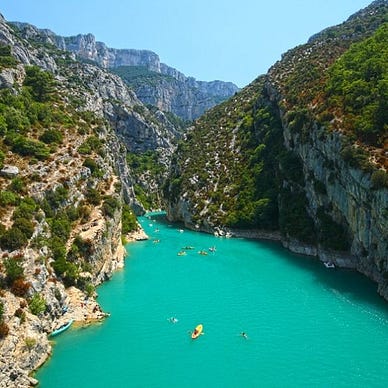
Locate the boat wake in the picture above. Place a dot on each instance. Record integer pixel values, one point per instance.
(375, 316)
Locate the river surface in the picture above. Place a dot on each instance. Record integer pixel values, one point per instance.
(307, 326)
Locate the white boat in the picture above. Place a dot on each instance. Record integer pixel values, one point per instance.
(328, 264)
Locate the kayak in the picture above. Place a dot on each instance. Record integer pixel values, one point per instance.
(197, 332)
(62, 328)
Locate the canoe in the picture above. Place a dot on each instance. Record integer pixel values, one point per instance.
(61, 328)
(197, 332)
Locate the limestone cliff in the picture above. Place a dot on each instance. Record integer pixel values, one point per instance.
(286, 157)
(159, 84)
(65, 130)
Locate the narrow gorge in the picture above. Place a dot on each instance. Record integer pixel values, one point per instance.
(92, 137)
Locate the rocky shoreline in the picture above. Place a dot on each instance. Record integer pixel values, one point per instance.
(339, 259)
(29, 346)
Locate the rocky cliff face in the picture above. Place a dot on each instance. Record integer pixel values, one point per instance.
(171, 91)
(66, 128)
(282, 158)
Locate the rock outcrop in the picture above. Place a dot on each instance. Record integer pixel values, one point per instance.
(281, 157)
(76, 186)
(170, 90)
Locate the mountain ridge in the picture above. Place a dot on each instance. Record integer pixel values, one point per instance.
(188, 98)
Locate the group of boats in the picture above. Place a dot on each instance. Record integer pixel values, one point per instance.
(203, 252)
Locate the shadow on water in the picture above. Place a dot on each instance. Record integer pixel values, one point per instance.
(347, 282)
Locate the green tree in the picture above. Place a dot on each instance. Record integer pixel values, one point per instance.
(14, 270)
(13, 239)
(51, 136)
(41, 83)
(129, 223)
(37, 304)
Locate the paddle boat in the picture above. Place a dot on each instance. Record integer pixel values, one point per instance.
(202, 252)
(182, 253)
(197, 331)
(62, 328)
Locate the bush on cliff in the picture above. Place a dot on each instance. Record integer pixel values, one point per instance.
(37, 304)
(41, 83)
(13, 270)
(13, 239)
(4, 329)
(129, 223)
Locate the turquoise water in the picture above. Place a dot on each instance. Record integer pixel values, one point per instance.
(307, 326)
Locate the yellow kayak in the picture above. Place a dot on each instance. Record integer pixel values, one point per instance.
(197, 332)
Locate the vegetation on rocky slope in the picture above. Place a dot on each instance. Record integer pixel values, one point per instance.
(62, 192)
(236, 169)
(226, 163)
(137, 76)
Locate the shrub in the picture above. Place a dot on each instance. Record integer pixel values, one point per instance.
(13, 270)
(67, 271)
(2, 157)
(25, 226)
(91, 164)
(129, 223)
(37, 304)
(6, 58)
(57, 197)
(93, 197)
(356, 157)
(13, 239)
(41, 83)
(92, 143)
(29, 147)
(1, 310)
(379, 179)
(85, 247)
(89, 289)
(16, 121)
(72, 213)
(61, 227)
(26, 209)
(4, 330)
(30, 342)
(8, 198)
(110, 205)
(58, 248)
(20, 314)
(20, 287)
(51, 136)
(2, 229)
(17, 185)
